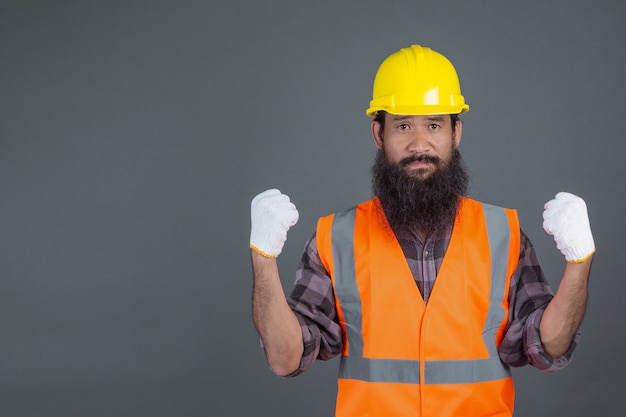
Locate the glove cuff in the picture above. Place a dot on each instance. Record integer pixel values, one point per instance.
(580, 251)
(262, 253)
(266, 245)
(581, 260)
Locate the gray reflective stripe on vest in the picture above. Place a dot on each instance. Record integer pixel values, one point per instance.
(355, 366)
(499, 234)
(465, 372)
(379, 370)
(345, 278)
(435, 372)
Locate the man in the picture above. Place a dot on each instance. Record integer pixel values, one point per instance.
(429, 296)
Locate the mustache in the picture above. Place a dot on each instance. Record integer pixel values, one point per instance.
(420, 158)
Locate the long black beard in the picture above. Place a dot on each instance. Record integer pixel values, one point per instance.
(419, 204)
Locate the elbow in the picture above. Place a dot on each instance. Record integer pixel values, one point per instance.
(555, 346)
(555, 351)
(282, 367)
(286, 361)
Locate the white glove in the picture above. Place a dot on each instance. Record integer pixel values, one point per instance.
(565, 217)
(272, 215)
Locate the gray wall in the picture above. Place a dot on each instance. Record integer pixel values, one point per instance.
(133, 136)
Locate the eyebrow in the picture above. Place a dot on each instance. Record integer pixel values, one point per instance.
(434, 118)
(400, 117)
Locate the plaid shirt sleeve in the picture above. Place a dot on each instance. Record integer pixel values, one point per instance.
(313, 301)
(528, 298)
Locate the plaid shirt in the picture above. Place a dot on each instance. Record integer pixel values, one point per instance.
(312, 300)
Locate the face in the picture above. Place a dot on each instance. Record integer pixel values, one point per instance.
(417, 142)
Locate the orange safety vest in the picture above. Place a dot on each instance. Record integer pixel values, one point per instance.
(404, 358)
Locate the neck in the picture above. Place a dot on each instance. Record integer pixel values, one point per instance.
(423, 234)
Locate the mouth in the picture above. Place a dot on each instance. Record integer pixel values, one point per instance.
(419, 162)
(419, 165)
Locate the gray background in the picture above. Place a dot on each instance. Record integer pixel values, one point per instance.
(133, 136)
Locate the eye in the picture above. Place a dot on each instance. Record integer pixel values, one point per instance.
(433, 126)
(403, 126)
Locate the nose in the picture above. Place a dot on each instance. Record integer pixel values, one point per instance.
(418, 143)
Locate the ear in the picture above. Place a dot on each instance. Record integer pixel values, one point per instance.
(458, 132)
(377, 134)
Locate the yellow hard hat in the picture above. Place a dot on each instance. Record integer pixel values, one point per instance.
(417, 81)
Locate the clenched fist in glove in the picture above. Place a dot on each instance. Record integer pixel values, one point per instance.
(272, 215)
(565, 218)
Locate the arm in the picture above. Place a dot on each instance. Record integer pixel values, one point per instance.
(565, 217)
(565, 312)
(272, 215)
(277, 325)
(529, 296)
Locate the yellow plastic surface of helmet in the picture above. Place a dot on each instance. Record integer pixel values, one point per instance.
(417, 81)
